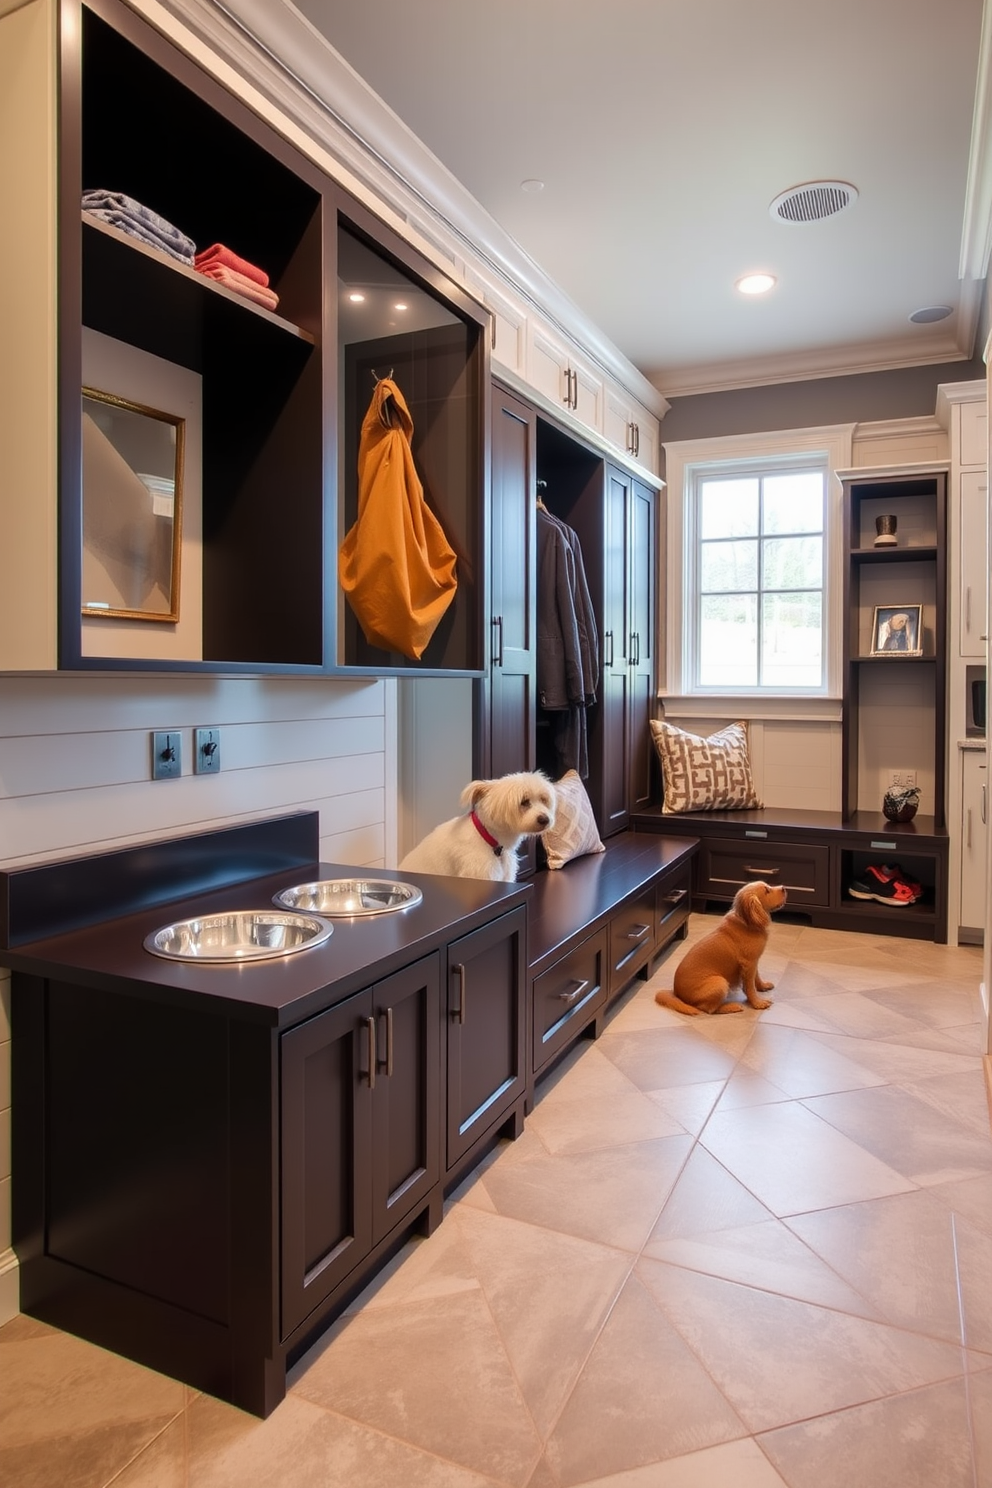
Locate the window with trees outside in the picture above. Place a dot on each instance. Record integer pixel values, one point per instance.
(759, 553)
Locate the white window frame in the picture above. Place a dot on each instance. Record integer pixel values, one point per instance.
(684, 460)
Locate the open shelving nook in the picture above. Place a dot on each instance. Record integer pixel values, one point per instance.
(894, 713)
(275, 396)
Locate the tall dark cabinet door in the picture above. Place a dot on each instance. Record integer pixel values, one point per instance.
(612, 736)
(326, 1153)
(405, 1127)
(506, 698)
(487, 974)
(642, 568)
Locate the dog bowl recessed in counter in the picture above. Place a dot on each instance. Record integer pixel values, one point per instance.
(242, 935)
(352, 897)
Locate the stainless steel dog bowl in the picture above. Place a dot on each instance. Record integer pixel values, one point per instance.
(352, 897)
(242, 935)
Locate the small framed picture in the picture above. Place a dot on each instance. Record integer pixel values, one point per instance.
(897, 630)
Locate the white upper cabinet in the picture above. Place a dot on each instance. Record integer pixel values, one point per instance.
(629, 427)
(555, 369)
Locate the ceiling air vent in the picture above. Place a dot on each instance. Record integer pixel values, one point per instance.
(813, 201)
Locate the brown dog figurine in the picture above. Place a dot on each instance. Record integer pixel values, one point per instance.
(728, 957)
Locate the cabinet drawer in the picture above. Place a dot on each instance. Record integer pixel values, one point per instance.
(567, 996)
(803, 870)
(632, 935)
(674, 902)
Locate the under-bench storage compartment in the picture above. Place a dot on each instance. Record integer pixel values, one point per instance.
(567, 996)
(802, 868)
(632, 939)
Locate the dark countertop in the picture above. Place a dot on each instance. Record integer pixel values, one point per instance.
(110, 954)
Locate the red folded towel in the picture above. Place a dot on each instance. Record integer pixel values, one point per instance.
(217, 253)
(231, 279)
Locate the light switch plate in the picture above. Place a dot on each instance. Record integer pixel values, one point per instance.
(167, 756)
(206, 751)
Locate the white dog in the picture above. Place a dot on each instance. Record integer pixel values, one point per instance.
(484, 843)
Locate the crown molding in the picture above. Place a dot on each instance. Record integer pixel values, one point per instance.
(362, 143)
(842, 361)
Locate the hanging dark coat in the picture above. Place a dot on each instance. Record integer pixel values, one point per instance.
(396, 566)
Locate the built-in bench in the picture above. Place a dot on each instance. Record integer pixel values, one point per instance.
(596, 924)
(816, 855)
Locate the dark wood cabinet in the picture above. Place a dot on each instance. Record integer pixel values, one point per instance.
(360, 1132)
(272, 398)
(486, 1001)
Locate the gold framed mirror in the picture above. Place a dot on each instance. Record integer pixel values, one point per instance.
(132, 459)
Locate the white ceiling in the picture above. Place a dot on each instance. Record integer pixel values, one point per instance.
(663, 129)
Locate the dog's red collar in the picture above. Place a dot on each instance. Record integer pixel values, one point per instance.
(497, 847)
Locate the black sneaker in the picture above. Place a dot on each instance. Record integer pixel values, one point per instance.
(884, 885)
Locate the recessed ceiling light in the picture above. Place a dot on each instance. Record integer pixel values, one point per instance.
(531, 185)
(756, 284)
(400, 305)
(356, 298)
(930, 313)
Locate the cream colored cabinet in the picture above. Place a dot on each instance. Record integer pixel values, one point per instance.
(508, 327)
(973, 496)
(629, 427)
(974, 827)
(555, 370)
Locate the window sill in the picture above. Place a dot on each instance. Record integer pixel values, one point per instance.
(751, 706)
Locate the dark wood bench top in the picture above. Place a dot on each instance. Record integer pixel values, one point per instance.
(789, 825)
(574, 901)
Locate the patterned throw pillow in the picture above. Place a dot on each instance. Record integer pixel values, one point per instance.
(711, 774)
(574, 832)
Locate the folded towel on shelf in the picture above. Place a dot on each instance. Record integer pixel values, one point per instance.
(231, 279)
(219, 253)
(124, 212)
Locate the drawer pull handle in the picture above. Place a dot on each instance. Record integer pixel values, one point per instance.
(755, 834)
(637, 932)
(459, 1013)
(370, 1025)
(387, 1063)
(568, 998)
(749, 868)
(889, 845)
(675, 897)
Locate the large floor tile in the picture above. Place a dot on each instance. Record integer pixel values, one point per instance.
(916, 1440)
(304, 1446)
(434, 1375)
(613, 1197)
(792, 1160)
(675, 1055)
(706, 1199)
(738, 1464)
(894, 1063)
(549, 1295)
(906, 1133)
(767, 1256)
(779, 1361)
(798, 1062)
(921, 1266)
(642, 1397)
(72, 1413)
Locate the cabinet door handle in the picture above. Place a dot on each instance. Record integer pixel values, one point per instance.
(568, 998)
(749, 868)
(984, 805)
(498, 648)
(370, 1025)
(967, 609)
(967, 835)
(608, 636)
(492, 331)
(575, 389)
(675, 897)
(637, 932)
(387, 1063)
(637, 439)
(459, 1013)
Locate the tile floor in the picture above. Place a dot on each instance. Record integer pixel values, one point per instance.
(733, 1252)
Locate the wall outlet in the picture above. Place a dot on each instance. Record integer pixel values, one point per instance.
(206, 751)
(167, 756)
(902, 778)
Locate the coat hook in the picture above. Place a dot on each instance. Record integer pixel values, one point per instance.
(377, 378)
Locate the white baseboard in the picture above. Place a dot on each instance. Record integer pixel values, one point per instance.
(10, 1286)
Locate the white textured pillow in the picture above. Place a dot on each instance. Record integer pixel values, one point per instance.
(574, 832)
(711, 774)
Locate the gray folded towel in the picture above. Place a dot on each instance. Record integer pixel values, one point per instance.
(120, 210)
